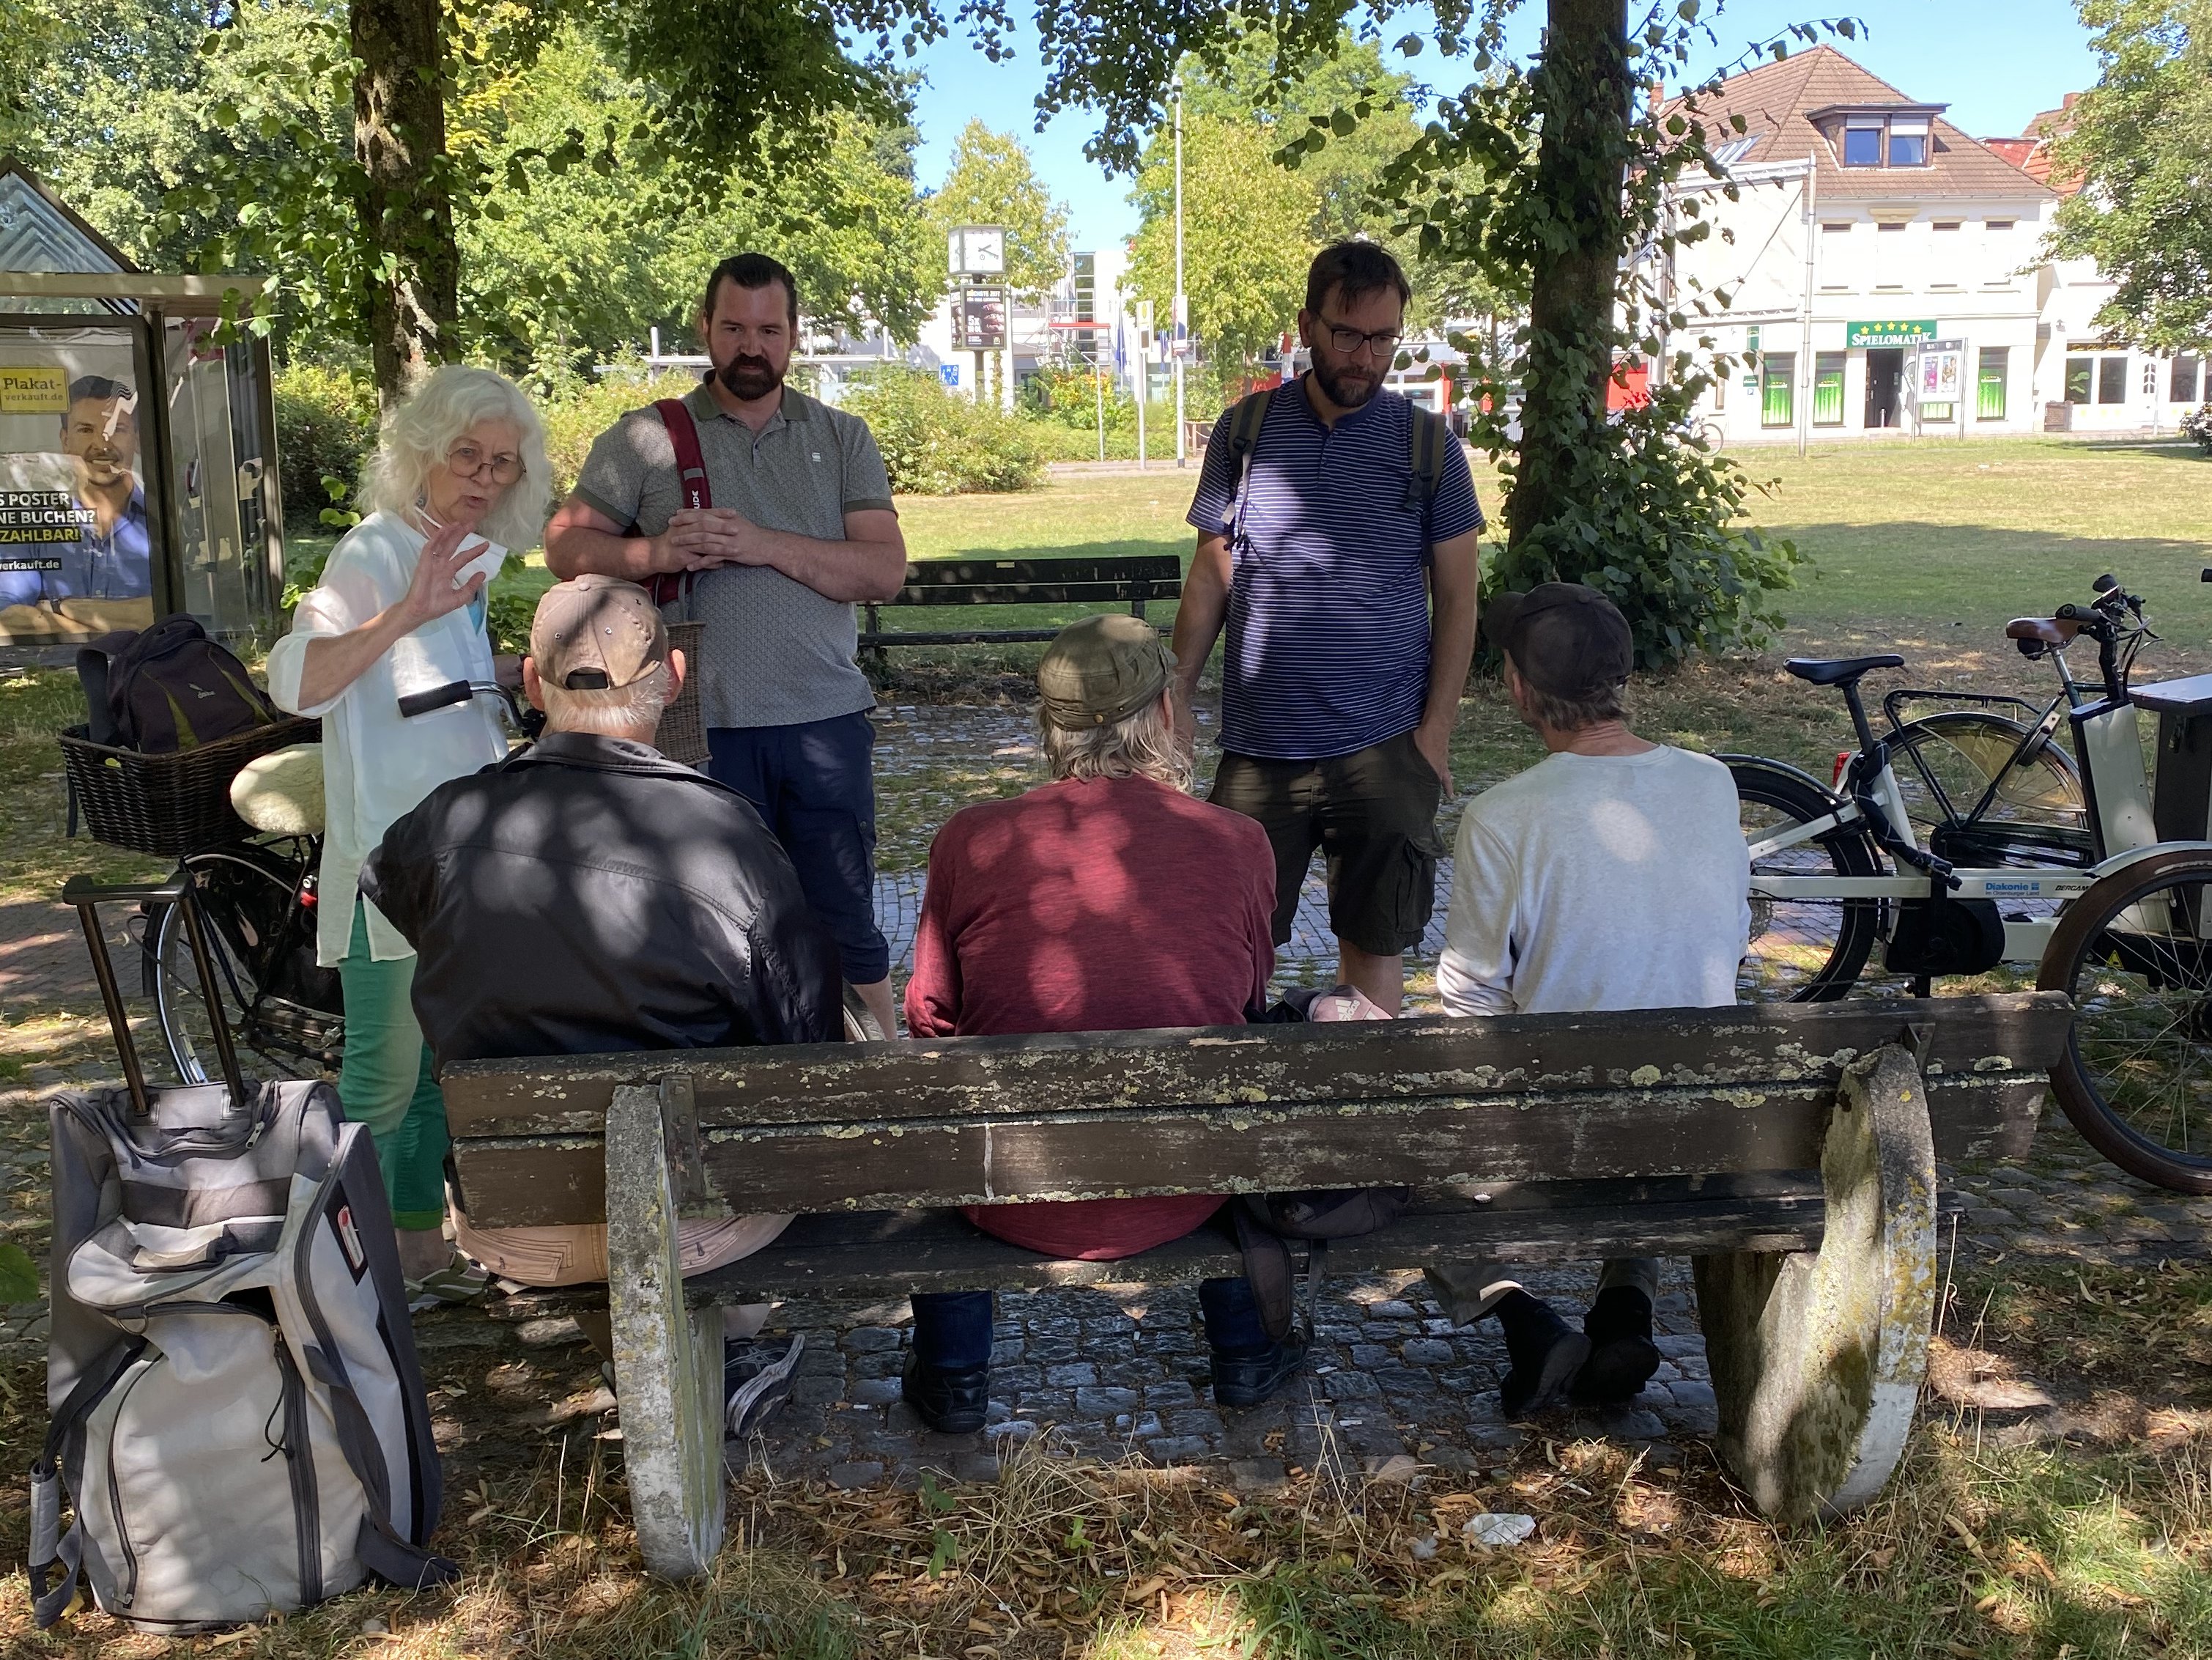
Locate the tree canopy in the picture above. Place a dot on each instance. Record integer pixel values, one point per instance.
(2142, 147)
(992, 182)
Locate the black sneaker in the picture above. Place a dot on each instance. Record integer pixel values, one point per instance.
(755, 1381)
(1246, 1380)
(1622, 1357)
(1547, 1355)
(950, 1402)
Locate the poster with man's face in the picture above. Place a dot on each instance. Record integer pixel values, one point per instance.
(76, 544)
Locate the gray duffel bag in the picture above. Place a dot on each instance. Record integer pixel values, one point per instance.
(237, 1413)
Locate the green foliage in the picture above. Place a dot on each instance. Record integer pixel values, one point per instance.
(19, 1274)
(1069, 395)
(992, 182)
(2196, 425)
(2141, 145)
(582, 407)
(325, 430)
(935, 442)
(1656, 520)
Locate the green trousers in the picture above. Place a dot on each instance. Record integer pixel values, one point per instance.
(385, 1082)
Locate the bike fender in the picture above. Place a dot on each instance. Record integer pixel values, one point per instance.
(2120, 861)
(1796, 774)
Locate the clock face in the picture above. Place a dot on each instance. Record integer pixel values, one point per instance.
(979, 250)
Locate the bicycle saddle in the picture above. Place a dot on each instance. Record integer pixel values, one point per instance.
(1839, 670)
(281, 793)
(2051, 630)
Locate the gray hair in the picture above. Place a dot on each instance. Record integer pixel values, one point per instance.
(1142, 745)
(611, 711)
(419, 431)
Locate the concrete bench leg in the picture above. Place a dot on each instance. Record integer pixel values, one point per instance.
(668, 1359)
(1818, 1356)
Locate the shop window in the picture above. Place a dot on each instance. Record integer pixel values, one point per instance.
(2078, 372)
(1828, 389)
(2183, 387)
(2111, 380)
(1990, 383)
(1777, 384)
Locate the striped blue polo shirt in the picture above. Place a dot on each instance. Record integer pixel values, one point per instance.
(1327, 647)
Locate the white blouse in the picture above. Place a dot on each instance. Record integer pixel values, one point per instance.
(378, 766)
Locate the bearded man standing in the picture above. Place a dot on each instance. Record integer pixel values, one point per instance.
(1338, 543)
(801, 527)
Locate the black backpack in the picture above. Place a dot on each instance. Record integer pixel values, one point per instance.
(167, 688)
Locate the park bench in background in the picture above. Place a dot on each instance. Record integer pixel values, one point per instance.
(1131, 579)
(1790, 1149)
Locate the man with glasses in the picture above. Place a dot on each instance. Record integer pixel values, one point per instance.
(800, 527)
(1346, 578)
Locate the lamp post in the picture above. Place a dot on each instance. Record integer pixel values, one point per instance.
(1181, 324)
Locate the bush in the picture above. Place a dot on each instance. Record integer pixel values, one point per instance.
(1069, 397)
(2198, 425)
(586, 406)
(325, 427)
(935, 442)
(1657, 525)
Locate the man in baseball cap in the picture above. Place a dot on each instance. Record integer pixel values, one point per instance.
(591, 895)
(1069, 910)
(1610, 875)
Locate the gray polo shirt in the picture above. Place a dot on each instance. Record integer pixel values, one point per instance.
(775, 652)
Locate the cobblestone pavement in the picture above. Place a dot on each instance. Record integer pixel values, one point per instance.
(1120, 1370)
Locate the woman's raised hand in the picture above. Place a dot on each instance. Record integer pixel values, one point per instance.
(431, 593)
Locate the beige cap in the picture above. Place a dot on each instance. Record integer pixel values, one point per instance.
(596, 633)
(1101, 669)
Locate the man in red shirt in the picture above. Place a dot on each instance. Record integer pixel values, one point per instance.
(1109, 899)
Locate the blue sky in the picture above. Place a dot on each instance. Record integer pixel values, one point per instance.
(1996, 63)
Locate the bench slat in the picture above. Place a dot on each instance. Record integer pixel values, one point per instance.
(1042, 592)
(1153, 568)
(979, 1077)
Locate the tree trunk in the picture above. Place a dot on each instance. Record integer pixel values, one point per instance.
(1584, 96)
(406, 209)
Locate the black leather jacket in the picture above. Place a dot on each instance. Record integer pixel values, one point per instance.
(590, 895)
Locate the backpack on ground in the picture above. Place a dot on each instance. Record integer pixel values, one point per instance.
(167, 688)
(237, 1413)
(1426, 445)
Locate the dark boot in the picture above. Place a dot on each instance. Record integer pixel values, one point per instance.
(1248, 1366)
(1547, 1353)
(1622, 1356)
(947, 1376)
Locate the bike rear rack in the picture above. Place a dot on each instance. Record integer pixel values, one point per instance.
(87, 896)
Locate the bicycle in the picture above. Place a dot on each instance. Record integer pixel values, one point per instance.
(256, 904)
(1992, 846)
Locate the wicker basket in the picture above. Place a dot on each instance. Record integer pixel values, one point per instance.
(683, 733)
(169, 805)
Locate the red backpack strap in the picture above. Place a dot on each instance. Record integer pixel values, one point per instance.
(691, 482)
(691, 464)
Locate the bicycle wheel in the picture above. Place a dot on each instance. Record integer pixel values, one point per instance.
(2135, 953)
(254, 929)
(1945, 764)
(1802, 950)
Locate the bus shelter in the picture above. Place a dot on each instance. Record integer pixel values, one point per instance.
(137, 454)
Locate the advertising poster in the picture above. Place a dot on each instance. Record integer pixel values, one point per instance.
(77, 544)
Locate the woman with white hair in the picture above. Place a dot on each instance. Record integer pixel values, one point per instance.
(458, 479)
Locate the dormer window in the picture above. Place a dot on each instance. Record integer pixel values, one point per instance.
(1880, 135)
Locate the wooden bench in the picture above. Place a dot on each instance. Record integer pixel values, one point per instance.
(1790, 1149)
(1131, 579)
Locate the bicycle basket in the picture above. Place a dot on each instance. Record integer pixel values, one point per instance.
(682, 734)
(171, 804)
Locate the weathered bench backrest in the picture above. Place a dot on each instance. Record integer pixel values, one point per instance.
(1431, 1102)
(1122, 579)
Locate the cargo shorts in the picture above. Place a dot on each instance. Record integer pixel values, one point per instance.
(1373, 815)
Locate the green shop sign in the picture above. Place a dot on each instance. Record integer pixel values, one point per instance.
(1889, 334)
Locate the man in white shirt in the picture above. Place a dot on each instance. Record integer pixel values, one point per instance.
(1610, 875)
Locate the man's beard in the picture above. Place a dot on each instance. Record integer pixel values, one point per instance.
(1345, 394)
(749, 378)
